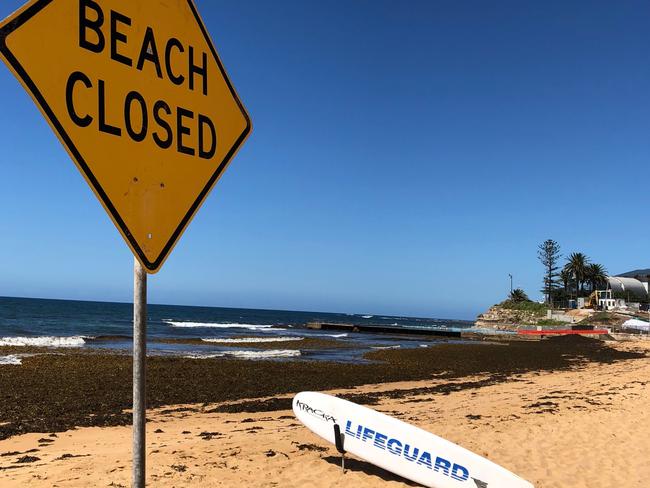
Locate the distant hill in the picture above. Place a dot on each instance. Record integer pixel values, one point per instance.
(635, 273)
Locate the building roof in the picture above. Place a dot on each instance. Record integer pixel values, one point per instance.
(626, 285)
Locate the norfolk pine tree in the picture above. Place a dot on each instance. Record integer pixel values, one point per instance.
(549, 255)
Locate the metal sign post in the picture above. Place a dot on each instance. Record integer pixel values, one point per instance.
(139, 372)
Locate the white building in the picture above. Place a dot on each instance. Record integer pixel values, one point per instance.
(629, 291)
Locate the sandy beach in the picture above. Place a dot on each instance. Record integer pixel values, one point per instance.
(213, 211)
(584, 425)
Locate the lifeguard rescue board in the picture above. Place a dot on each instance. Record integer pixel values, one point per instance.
(398, 447)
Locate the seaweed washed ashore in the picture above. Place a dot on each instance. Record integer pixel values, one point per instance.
(65, 389)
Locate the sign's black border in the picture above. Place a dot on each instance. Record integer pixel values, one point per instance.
(152, 266)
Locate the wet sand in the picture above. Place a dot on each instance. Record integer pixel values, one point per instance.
(563, 412)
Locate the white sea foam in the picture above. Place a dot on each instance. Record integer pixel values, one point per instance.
(74, 341)
(385, 347)
(217, 325)
(10, 360)
(271, 354)
(367, 316)
(243, 340)
(277, 353)
(336, 336)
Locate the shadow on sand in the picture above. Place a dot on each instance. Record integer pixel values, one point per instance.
(369, 469)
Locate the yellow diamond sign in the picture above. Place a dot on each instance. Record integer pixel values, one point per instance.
(138, 96)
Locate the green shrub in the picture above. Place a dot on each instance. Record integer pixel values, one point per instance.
(551, 322)
(539, 309)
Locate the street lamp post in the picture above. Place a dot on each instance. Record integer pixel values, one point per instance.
(510, 283)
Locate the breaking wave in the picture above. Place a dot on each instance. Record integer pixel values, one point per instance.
(335, 336)
(272, 354)
(217, 325)
(243, 340)
(10, 360)
(74, 341)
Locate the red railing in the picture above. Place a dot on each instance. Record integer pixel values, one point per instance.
(561, 332)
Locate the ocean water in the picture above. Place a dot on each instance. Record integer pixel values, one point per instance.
(108, 326)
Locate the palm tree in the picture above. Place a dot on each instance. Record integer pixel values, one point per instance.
(566, 276)
(595, 275)
(577, 265)
(519, 295)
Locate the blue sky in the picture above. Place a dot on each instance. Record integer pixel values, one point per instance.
(405, 157)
